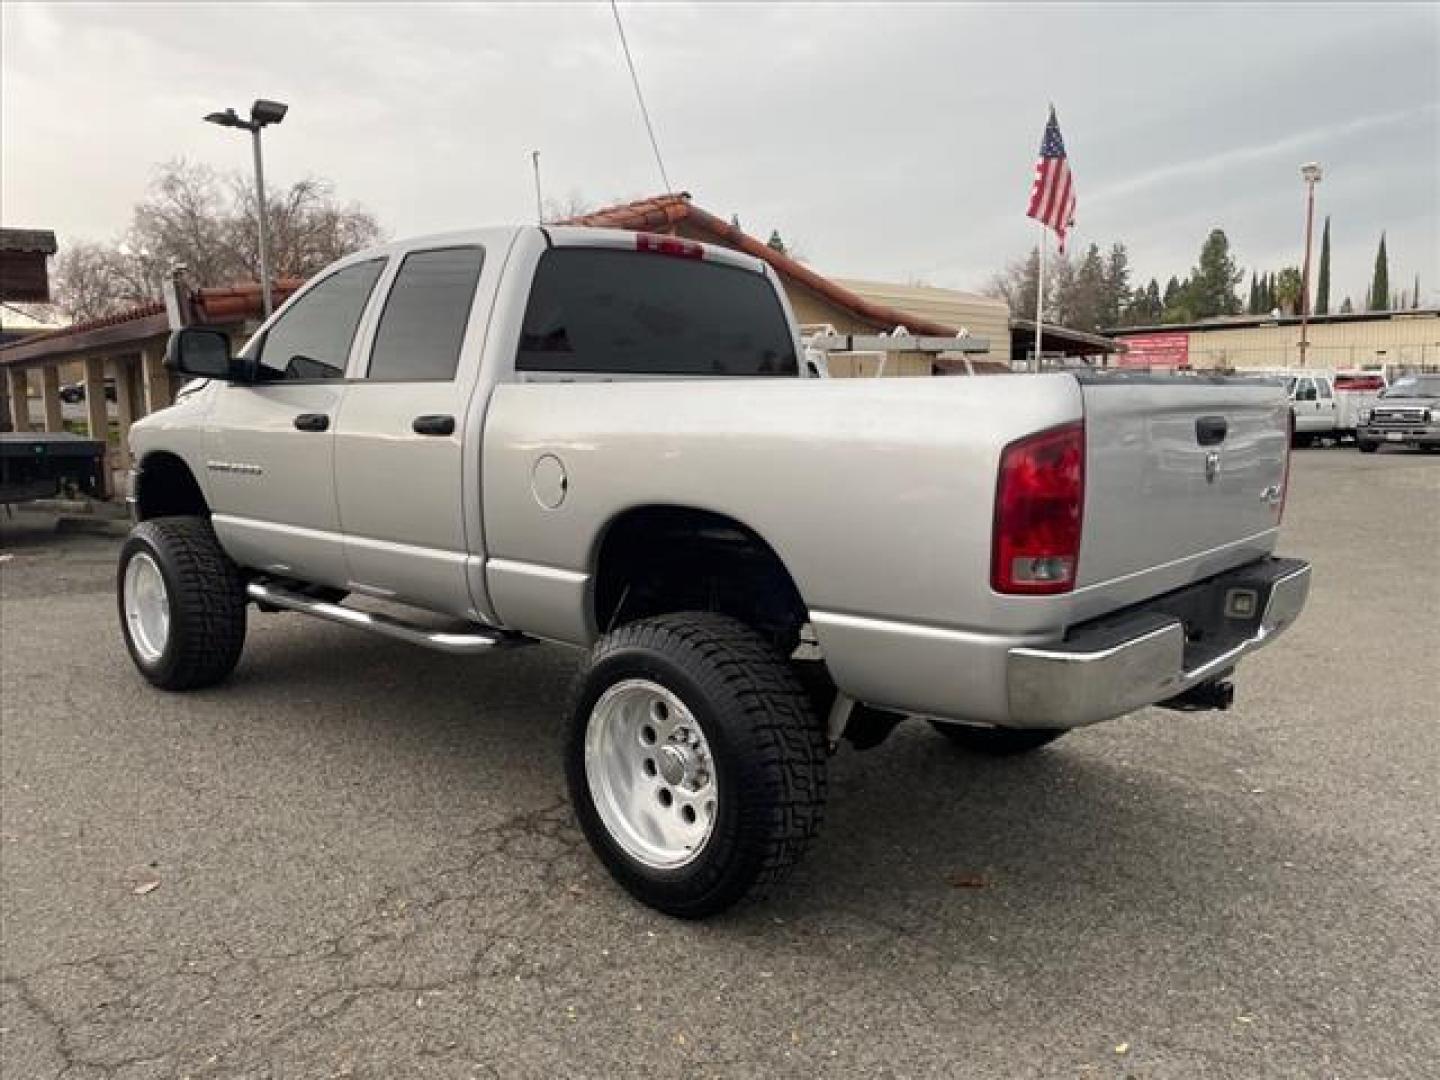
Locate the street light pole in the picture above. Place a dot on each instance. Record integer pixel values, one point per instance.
(266, 299)
(1310, 173)
(262, 114)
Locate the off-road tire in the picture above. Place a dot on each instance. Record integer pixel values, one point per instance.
(767, 747)
(206, 596)
(997, 741)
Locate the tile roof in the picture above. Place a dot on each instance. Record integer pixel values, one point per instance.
(661, 212)
(224, 304)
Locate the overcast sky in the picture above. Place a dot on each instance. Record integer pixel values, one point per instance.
(891, 142)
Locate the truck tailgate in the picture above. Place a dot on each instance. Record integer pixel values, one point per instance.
(1184, 476)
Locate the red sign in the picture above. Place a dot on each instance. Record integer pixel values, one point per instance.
(1155, 350)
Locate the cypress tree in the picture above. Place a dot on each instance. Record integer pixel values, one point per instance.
(1322, 287)
(1253, 307)
(1415, 296)
(1380, 282)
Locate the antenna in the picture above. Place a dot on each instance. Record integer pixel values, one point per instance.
(539, 203)
(644, 112)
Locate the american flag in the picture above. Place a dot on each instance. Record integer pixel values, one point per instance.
(1052, 199)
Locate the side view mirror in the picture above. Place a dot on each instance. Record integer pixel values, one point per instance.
(203, 354)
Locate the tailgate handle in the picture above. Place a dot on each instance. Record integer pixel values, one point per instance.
(1210, 430)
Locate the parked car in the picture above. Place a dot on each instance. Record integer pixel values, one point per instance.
(74, 393)
(604, 439)
(1407, 412)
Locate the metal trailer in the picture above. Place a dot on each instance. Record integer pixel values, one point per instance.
(43, 465)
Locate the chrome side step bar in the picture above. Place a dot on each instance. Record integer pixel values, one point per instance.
(481, 639)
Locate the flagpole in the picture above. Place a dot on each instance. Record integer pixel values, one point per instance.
(1040, 297)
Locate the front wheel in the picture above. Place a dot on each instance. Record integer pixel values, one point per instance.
(1366, 446)
(997, 741)
(695, 764)
(182, 603)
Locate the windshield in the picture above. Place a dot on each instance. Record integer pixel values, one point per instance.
(1414, 386)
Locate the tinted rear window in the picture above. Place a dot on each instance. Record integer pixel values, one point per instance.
(605, 311)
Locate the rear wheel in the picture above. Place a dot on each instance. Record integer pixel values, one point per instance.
(695, 765)
(997, 741)
(1366, 446)
(182, 603)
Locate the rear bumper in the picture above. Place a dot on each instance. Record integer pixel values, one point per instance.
(1150, 654)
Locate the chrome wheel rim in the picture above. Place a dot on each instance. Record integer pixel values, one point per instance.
(651, 774)
(147, 607)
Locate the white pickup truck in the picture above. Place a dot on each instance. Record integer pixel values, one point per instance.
(602, 439)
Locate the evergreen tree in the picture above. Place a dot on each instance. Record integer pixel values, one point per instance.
(1346, 307)
(1253, 306)
(1173, 308)
(1415, 296)
(1380, 282)
(1115, 286)
(1322, 286)
(775, 242)
(1083, 298)
(735, 221)
(1213, 281)
(1154, 306)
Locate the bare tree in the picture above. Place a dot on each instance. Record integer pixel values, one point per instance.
(192, 216)
(308, 229)
(92, 280)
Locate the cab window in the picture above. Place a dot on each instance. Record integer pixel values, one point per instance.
(312, 339)
(423, 325)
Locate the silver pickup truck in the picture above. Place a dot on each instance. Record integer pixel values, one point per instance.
(603, 439)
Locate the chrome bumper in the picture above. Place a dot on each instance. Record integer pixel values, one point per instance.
(1145, 656)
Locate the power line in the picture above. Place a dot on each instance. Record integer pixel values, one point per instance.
(635, 80)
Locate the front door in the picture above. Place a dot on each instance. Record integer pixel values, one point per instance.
(1306, 404)
(400, 468)
(270, 443)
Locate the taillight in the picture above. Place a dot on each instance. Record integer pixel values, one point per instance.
(1289, 449)
(1039, 501)
(668, 245)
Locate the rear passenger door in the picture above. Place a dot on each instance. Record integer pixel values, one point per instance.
(1327, 409)
(400, 468)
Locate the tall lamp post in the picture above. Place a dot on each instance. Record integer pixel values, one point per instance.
(262, 114)
(1310, 173)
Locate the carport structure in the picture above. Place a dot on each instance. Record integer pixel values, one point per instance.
(128, 348)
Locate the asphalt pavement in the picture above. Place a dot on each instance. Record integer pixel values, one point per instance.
(356, 859)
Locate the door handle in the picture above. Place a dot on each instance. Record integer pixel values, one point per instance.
(312, 421)
(1210, 430)
(434, 425)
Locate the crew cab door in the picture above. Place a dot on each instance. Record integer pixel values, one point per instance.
(401, 472)
(270, 443)
(1305, 403)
